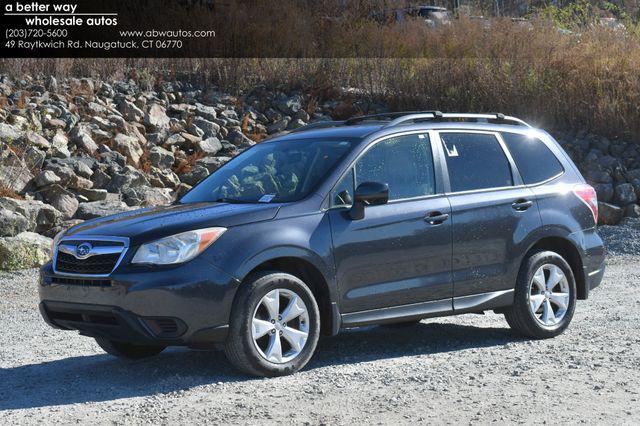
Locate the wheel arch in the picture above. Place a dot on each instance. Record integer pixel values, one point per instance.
(571, 253)
(311, 270)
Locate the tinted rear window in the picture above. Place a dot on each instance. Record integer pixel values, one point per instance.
(534, 159)
(475, 161)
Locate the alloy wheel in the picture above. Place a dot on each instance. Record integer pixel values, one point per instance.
(549, 295)
(280, 326)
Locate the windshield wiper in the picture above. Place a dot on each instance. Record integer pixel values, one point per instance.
(233, 201)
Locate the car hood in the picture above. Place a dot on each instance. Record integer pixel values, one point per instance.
(149, 224)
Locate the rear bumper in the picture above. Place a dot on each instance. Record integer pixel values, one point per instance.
(185, 305)
(592, 253)
(594, 278)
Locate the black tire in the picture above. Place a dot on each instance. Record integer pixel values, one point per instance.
(240, 348)
(519, 316)
(128, 350)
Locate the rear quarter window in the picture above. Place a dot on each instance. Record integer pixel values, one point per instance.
(534, 159)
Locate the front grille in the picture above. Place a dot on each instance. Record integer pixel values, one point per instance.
(81, 282)
(91, 318)
(95, 243)
(94, 265)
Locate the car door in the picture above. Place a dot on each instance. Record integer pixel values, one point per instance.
(396, 254)
(492, 213)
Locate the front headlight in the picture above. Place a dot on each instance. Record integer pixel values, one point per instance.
(177, 248)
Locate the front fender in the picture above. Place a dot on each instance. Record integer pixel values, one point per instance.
(243, 248)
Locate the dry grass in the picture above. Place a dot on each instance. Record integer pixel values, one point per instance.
(187, 163)
(6, 192)
(589, 80)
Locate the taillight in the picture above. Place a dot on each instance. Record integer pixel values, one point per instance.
(588, 196)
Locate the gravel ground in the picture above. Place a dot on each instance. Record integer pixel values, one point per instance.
(449, 370)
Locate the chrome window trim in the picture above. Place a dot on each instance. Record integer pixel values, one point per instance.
(89, 238)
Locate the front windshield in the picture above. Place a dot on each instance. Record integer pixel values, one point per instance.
(272, 172)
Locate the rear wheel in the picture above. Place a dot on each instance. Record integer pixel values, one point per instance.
(128, 350)
(545, 296)
(274, 326)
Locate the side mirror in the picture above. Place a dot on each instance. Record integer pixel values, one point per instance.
(368, 194)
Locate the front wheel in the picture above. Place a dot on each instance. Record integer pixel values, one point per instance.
(545, 296)
(274, 326)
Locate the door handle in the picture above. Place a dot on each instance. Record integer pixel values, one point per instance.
(436, 218)
(521, 204)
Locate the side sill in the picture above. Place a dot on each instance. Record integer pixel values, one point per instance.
(393, 314)
(483, 301)
(438, 308)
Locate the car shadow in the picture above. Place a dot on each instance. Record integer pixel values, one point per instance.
(98, 378)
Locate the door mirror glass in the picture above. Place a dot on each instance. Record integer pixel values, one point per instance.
(368, 194)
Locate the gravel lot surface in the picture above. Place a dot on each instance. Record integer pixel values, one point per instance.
(449, 370)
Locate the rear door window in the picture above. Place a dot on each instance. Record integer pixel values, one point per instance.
(535, 161)
(475, 161)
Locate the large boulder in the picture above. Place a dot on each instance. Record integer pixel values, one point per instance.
(46, 178)
(212, 163)
(93, 194)
(210, 146)
(163, 178)
(14, 172)
(128, 177)
(129, 147)
(37, 140)
(147, 196)
(84, 142)
(9, 133)
(59, 146)
(12, 223)
(608, 214)
(205, 111)
(208, 127)
(64, 201)
(130, 111)
(102, 208)
(632, 210)
(156, 118)
(604, 191)
(40, 216)
(239, 139)
(624, 194)
(161, 158)
(195, 175)
(25, 250)
(291, 105)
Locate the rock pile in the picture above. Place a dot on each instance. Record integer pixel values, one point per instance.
(612, 167)
(83, 148)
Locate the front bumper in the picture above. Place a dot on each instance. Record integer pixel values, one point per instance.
(185, 305)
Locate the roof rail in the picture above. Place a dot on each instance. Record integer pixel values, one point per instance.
(398, 118)
(413, 117)
(318, 125)
(390, 115)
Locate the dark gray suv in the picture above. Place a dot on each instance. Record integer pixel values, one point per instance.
(377, 219)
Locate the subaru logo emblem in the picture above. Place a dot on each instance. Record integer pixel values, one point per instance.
(83, 250)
